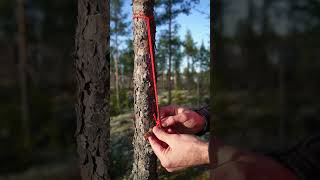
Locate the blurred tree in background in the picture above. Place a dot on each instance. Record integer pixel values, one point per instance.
(119, 28)
(190, 52)
(49, 86)
(265, 72)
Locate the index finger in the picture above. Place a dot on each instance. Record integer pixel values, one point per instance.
(168, 111)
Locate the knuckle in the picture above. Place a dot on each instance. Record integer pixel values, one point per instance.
(166, 163)
(174, 136)
(170, 119)
(169, 170)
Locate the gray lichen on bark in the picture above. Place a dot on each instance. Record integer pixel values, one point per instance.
(144, 166)
(92, 74)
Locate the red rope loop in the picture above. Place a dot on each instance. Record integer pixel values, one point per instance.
(156, 116)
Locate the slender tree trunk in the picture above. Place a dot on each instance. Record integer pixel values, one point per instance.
(116, 61)
(176, 79)
(189, 82)
(198, 90)
(144, 166)
(282, 122)
(170, 53)
(218, 59)
(192, 65)
(163, 79)
(92, 65)
(23, 55)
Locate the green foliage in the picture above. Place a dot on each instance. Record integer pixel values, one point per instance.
(203, 57)
(126, 102)
(114, 110)
(179, 97)
(162, 53)
(190, 48)
(127, 59)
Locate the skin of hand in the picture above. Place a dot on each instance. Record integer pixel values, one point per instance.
(181, 119)
(178, 151)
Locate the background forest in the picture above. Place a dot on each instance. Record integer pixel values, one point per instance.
(265, 71)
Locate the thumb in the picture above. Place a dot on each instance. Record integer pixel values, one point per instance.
(161, 134)
(157, 147)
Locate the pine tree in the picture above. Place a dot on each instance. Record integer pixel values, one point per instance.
(144, 166)
(162, 55)
(190, 50)
(176, 58)
(203, 57)
(23, 55)
(126, 64)
(93, 81)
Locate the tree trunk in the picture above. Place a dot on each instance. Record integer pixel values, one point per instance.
(116, 61)
(176, 79)
(282, 107)
(23, 55)
(170, 53)
(198, 88)
(144, 165)
(92, 63)
(163, 79)
(189, 82)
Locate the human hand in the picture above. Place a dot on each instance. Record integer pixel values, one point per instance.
(178, 151)
(181, 119)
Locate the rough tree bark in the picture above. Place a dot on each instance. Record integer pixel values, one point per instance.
(23, 55)
(144, 166)
(92, 63)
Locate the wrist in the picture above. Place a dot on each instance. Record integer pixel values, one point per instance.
(203, 127)
(204, 153)
(204, 114)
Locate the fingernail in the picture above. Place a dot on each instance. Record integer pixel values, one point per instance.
(150, 138)
(164, 124)
(155, 128)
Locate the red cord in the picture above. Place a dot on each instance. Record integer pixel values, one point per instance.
(147, 18)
